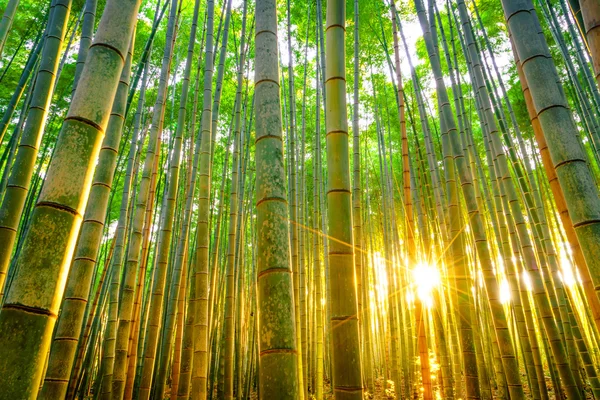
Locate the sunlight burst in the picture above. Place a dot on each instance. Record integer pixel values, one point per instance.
(426, 277)
(504, 291)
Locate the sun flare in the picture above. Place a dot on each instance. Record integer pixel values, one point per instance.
(426, 278)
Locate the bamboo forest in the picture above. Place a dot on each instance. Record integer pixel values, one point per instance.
(299, 199)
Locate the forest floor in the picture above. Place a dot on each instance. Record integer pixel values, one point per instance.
(385, 391)
(380, 392)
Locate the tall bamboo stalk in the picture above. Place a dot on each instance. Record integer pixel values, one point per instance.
(33, 299)
(581, 194)
(201, 272)
(234, 233)
(20, 178)
(126, 303)
(80, 279)
(277, 339)
(7, 19)
(590, 11)
(345, 339)
(156, 305)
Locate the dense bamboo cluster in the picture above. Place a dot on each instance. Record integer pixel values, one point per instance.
(314, 199)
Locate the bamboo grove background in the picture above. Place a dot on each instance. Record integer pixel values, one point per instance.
(299, 199)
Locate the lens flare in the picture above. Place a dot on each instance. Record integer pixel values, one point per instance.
(504, 292)
(426, 278)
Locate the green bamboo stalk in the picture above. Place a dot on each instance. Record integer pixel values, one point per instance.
(575, 7)
(519, 298)
(277, 339)
(201, 272)
(156, 305)
(574, 176)
(126, 303)
(145, 53)
(9, 13)
(233, 233)
(87, 33)
(302, 231)
(126, 214)
(188, 340)
(19, 181)
(63, 60)
(356, 184)
(216, 250)
(550, 251)
(81, 273)
(20, 89)
(581, 55)
(316, 248)
(220, 73)
(347, 371)
(559, 197)
(293, 200)
(590, 12)
(91, 324)
(176, 364)
(393, 320)
(11, 148)
(589, 103)
(33, 299)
